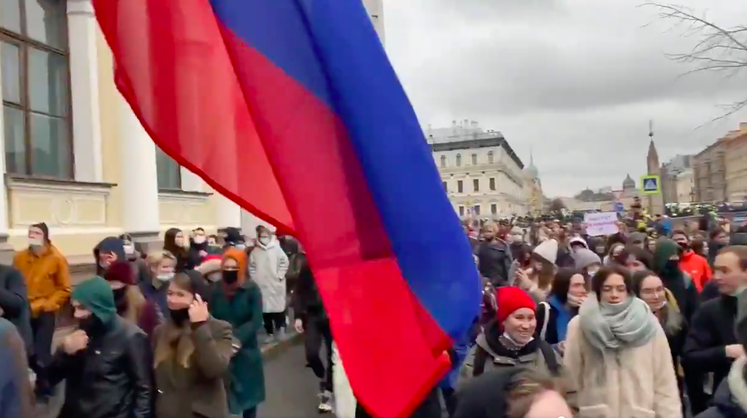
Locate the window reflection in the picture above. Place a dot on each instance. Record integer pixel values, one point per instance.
(10, 15)
(15, 147)
(51, 147)
(45, 22)
(47, 87)
(10, 59)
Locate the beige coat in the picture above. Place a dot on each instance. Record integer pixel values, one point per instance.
(632, 383)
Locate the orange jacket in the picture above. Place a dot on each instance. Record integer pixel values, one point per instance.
(697, 267)
(47, 278)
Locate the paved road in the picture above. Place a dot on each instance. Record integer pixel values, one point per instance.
(291, 389)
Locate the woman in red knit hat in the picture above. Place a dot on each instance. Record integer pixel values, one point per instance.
(508, 340)
(130, 302)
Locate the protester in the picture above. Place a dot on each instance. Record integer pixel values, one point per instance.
(14, 305)
(47, 277)
(634, 258)
(16, 399)
(586, 261)
(694, 264)
(198, 246)
(238, 301)
(617, 354)
(494, 256)
(680, 283)
(129, 300)
(192, 355)
(136, 259)
(537, 280)
(109, 251)
(161, 266)
(107, 363)
(267, 267)
(569, 291)
(512, 393)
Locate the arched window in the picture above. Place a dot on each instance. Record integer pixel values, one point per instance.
(443, 161)
(474, 159)
(490, 157)
(459, 160)
(36, 88)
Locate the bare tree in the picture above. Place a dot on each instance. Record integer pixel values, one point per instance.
(719, 49)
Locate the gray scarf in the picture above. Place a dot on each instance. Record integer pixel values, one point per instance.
(611, 327)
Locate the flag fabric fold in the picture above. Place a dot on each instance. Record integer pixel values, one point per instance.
(291, 109)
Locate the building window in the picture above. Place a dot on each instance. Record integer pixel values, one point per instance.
(490, 157)
(443, 161)
(474, 159)
(36, 88)
(459, 160)
(446, 186)
(491, 183)
(476, 210)
(476, 184)
(460, 186)
(461, 210)
(493, 209)
(169, 173)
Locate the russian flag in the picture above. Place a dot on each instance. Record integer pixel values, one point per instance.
(291, 109)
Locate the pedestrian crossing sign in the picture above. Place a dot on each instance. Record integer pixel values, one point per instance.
(650, 185)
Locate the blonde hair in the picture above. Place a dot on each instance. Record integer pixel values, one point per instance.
(526, 387)
(155, 258)
(135, 303)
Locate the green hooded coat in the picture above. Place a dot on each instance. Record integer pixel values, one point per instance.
(96, 295)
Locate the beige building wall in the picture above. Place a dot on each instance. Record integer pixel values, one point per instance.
(684, 185)
(736, 168)
(710, 168)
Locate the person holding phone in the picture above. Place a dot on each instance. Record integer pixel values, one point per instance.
(192, 354)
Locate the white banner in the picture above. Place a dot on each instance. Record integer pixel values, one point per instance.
(603, 223)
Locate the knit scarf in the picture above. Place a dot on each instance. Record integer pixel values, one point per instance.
(612, 327)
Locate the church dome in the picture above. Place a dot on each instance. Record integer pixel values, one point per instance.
(532, 171)
(628, 183)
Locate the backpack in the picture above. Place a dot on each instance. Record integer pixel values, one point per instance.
(551, 358)
(545, 320)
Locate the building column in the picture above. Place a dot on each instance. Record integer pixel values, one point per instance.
(227, 213)
(85, 91)
(6, 250)
(138, 180)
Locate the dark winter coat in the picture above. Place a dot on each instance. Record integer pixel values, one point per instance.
(16, 399)
(725, 402)
(15, 305)
(495, 261)
(246, 382)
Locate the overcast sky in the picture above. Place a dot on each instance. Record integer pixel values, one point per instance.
(576, 80)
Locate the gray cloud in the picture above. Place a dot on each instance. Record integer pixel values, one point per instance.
(577, 80)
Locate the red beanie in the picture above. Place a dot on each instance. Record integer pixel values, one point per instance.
(510, 299)
(120, 271)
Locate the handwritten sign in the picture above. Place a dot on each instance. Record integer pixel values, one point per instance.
(603, 223)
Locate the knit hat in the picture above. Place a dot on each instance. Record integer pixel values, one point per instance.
(584, 258)
(96, 295)
(548, 250)
(120, 271)
(44, 228)
(510, 299)
(578, 240)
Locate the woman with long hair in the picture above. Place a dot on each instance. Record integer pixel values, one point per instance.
(569, 291)
(129, 300)
(237, 300)
(618, 355)
(192, 355)
(176, 242)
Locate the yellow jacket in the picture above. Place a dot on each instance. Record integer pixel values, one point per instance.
(47, 278)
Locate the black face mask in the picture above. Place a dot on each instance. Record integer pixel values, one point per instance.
(230, 276)
(91, 325)
(671, 268)
(120, 298)
(684, 246)
(179, 316)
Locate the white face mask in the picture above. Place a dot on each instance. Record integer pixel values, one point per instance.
(36, 242)
(165, 277)
(199, 239)
(240, 246)
(518, 238)
(264, 240)
(129, 249)
(592, 272)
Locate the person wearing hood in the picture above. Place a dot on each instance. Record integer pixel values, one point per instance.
(47, 278)
(192, 354)
(598, 245)
(649, 288)
(586, 261)
(679, 282)
(695, 265)
(161, 267)
(267, 267)
(634, 258)
(508, 341)
(512, 393)
(238, 301)
(537, 279)
(494, 256)
(617, 354)
(569, 291)
(711, 344)
(107, 363)
(129, 300)
(614, 251)
(135, 258)
(639, 239)
(577, 243)
(16, 398)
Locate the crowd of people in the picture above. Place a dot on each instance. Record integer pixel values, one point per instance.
(642, 323)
